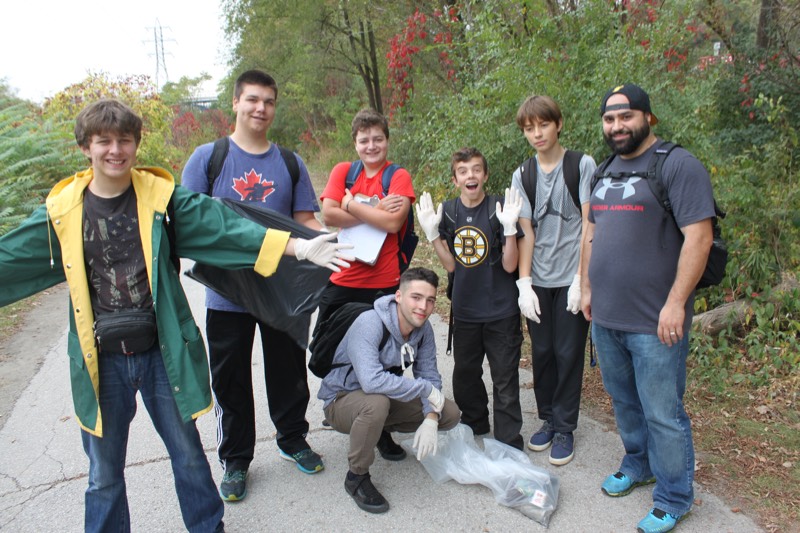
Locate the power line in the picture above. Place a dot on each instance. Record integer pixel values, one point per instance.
(158, 42)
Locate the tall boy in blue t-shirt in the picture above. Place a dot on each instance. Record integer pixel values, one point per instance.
(476, 240)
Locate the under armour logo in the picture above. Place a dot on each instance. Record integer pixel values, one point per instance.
(630, 190)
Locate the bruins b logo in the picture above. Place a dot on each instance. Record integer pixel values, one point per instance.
(471, 246)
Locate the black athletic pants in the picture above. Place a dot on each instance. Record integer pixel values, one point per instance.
(230, 343)
(500, 342)
(559, 345)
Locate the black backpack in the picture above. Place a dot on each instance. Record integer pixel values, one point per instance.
(718, 256)
(572, 177)
(407, 238)
(220, 152)
(449, 217)
(330, 333)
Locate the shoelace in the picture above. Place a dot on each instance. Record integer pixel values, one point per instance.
(236, 475)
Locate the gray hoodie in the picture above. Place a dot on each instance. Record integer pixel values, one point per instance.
(367, 369)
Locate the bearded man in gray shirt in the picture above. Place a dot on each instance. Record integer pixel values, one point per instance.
(640, 273)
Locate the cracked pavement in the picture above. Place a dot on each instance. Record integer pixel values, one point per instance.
(43, 472)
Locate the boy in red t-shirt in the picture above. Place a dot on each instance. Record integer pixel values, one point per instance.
(363, 282)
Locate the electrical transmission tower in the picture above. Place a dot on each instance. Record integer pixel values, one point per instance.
(158, 42)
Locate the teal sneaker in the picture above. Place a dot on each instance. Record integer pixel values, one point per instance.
(307, 461)
(234, 485)
(619, 484)
(658, 521)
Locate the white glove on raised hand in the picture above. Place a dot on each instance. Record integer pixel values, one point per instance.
(436, 399)
(322, 252)
(427, 217)
(508, 214)
(528, 301)
(574, 295)
(426, 439)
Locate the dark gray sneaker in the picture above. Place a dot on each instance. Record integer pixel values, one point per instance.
(389, 449)
(308, 461)
(234, 485)
(364, 493)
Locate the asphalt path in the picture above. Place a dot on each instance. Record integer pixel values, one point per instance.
(43, 472)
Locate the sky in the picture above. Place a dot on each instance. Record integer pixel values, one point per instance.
(47, 45)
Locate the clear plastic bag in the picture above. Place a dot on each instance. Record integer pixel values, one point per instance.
(508, 472)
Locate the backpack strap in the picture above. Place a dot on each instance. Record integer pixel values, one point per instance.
(571, 168)
(655, 174)
(355, 169)
(449, 219)
(170, 228)
(357, 166)
(290, 160)
(494, 222)
(218, 154)
(528, 176)
(386, 177)
(600, 172)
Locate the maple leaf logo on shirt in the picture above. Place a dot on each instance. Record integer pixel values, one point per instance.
(252, 188)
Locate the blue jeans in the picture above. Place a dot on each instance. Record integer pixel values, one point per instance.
(646, 380)
(121, 376)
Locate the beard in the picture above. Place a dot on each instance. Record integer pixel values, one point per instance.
(632, 143)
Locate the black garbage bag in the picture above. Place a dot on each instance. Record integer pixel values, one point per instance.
(284, 300)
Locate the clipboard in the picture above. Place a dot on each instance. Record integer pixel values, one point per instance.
(366, 240)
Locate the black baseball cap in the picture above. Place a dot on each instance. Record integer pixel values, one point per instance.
(637, 98)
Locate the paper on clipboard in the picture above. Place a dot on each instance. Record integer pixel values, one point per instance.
(366, 240)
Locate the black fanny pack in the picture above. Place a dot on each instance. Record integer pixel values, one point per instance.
(127, 331)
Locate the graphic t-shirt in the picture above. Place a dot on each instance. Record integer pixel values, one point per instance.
(386, 270)
(258, 178)
(556, 222)
(636, 244)
(482, 290)
(113, 254)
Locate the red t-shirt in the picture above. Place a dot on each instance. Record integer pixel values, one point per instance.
(386, 270)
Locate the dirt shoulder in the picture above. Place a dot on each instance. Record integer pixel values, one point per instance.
(24, 336)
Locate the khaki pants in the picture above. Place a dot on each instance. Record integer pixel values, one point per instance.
(363, 416)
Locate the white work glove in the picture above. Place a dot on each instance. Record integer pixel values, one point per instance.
(426, 439)
(574, 295)
(436, 399)
(428, 218)
(322, 252)
(509, 213)
(528, 301)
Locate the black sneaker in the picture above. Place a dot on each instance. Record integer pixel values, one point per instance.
(234, 485)
(389, 449)
(364, 493)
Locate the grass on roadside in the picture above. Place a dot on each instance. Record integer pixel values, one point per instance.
(11, 317)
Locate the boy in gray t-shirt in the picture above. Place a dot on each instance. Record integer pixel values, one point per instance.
(549, 275)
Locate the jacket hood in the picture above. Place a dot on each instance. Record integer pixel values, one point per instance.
(153, 187)
(386, 307)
